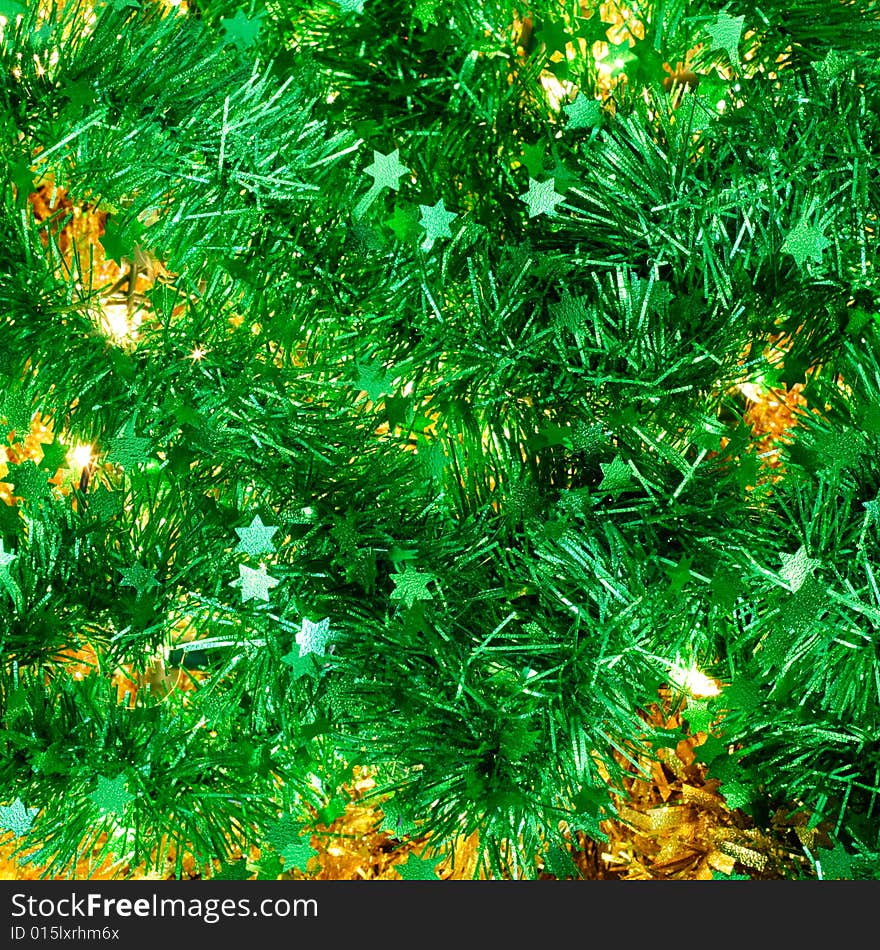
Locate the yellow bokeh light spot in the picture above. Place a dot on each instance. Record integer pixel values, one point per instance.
(694, 681)
(80, 456)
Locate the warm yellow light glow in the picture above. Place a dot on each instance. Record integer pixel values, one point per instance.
(197, 354)
(80, 456)
(751, 391)
(119, 323)
(694, 681)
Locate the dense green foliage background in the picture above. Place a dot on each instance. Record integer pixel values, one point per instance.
(484, 390)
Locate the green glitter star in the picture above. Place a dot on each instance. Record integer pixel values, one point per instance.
(541, 198)
(831, 65)
(698, 715)
(616, 475)
(255, 539)
(418, 869)
(17, 412)
(127, 449)
(426, 11)
(255, 583)
(285, 836)
(805, 241)
(6, 557)
(240, 30)
(373, 380)
(396, 821)
(112, 795)
(297, 854)
(736, 795)
(282, 831)
(138, 577)
(726, 32)
(411, 586)
(17, 818)
(679, 574)
(435, 220)
(835, 863)
(796, 567)
(30, 481)
(300, 665)
(571, 312)
(403, 222)
(54, 457)
(313, 637)
(583, 113)
(386, 170)
(233, 871)
(350, 6)
(554, 34)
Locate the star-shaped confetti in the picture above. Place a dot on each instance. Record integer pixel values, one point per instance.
(313, 637)
(233, 871)
(126, 448)
(255, 539)
(17, 818)
(699, 715)
(6, 557)
(241, 30)
(831, 65)
(386, 172)
(418, 869)
(286, 836)
(806, 241)
(736, 794)
(554, 34)
(297, 854)
(396, 821)
(283, 830)
(29, 481)
(17, 411)
(616, 475)
(411, 585)
(797, 567)
(835, 863)
(533, 156)
(435, 220)
(112, 795)
(54, 456)
(255, 584)
(726, 32)
(138, 577)
(403, 222)
(679, 574)
(571, 312)
(373, 380)
(541, 197)
(583, 113)
(300, 665)
(426, 11)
